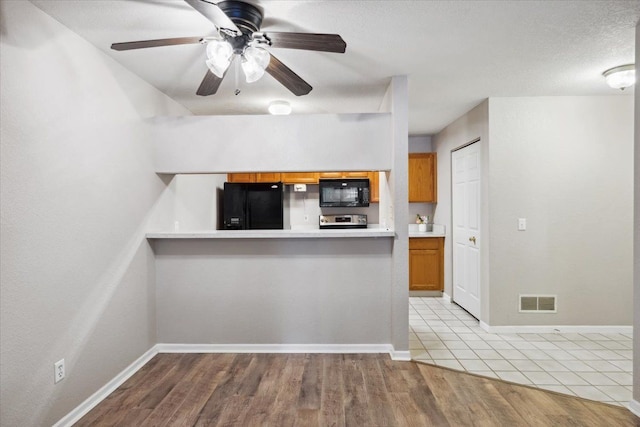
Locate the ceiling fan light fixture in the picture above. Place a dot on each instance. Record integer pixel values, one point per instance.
(254, 61)
(621, 77)
(219, 53)
(279, 108)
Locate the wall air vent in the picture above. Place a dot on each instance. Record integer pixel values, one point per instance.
(538, 304)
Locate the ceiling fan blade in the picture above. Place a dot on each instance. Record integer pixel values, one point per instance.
(213, 13)
(155, 43)
(307, 41)
(210, 84)
(287, 77)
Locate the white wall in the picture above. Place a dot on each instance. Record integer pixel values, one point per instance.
(77, 185)
(265, 143)
(565, 164)
(190, 203)
(468, 128)
(398, 188)
(420, 144)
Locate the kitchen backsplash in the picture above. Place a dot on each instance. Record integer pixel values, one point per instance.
(304, 208)
(423, 209)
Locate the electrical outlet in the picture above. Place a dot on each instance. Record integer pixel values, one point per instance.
(58, 371)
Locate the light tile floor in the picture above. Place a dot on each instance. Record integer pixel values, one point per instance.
(593, 366)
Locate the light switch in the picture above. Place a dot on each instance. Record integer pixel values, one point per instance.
(522, 224)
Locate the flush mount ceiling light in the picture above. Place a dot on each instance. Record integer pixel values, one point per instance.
(279, 108)
(621, 77)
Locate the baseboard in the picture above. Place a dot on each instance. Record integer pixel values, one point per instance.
(277, 348)
(435, 294)
(634, 407)
(400, 356)
(446, 297)
(97, 397)
(544, 329)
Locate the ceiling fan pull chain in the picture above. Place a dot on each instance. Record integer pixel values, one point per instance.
(237, 77)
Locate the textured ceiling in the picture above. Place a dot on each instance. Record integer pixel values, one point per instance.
(455, 53)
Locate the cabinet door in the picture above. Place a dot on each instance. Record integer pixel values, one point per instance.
(299, 177)
(422, 177)
(352, 174)
(268, 177)
(374, 186)
(333, 175)
(241, 177)
(356, 174)
(426, 264)
(424, 270)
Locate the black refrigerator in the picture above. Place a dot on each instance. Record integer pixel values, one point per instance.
(253, 206)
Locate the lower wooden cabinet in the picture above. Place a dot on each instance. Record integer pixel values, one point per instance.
(426, 264)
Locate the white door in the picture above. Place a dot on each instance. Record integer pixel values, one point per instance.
(465, 188)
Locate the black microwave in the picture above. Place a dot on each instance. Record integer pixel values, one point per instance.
(344, 193)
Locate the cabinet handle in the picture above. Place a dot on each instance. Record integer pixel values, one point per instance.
(473, 239)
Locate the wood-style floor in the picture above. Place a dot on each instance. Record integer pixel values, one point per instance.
(332, 390)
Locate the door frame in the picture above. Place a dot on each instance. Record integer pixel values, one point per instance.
(483, 247)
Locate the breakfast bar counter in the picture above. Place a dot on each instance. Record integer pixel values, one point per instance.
(305, 233)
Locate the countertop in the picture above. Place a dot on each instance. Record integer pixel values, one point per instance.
(300, 233)
(438, 231)
(305, 233)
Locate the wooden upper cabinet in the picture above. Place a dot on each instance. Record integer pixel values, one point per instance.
(374, 186)
(241, 177)
(268, 177)
(373, 176)
(330, 175)
(422, 177)
(299, 177)
(253, 177)
(338, 175)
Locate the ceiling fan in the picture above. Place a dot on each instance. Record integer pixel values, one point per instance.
(238, 34)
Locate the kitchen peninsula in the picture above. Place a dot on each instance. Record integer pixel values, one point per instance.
(292, 290)
(276, 290)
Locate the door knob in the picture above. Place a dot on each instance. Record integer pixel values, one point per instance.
(473, 239)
